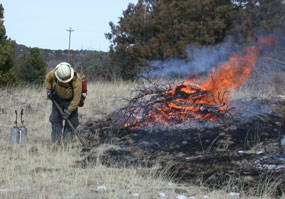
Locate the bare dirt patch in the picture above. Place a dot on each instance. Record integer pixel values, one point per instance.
(243, 149)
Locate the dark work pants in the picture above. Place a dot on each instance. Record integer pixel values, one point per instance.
(59, 130)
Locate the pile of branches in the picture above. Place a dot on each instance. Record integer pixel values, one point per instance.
(167, 104)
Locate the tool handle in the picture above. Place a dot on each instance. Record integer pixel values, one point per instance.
(22, 113)
(83, 142)
(16, 118)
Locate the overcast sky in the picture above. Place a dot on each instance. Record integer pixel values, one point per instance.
(44, 24)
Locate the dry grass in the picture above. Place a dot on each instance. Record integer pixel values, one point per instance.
(42, 170)
(272, 87)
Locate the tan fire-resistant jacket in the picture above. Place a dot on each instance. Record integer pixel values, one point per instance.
(71, 90)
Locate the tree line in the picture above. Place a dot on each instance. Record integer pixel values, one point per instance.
(153, 30)
(29, 68)
(162, 29)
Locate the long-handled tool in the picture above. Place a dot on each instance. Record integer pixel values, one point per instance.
(18, 134)
(14, 132)
(22, 121)
(23, 130)
(83, 142)
(16, 123)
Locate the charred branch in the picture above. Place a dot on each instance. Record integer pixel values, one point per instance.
(169, 104)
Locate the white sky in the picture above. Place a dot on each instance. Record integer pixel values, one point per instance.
(44, 24)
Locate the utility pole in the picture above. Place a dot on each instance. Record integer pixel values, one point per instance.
(69, 30)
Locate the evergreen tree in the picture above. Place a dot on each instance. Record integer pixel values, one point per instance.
(31, 68)
(7, 54)
(257, 16)
(162, 29)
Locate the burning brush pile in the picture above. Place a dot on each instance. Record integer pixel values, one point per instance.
(191, 104)
(195, 131)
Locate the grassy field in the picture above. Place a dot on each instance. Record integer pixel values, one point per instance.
(41, 170)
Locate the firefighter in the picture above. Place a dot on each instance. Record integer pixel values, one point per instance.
(64, 86)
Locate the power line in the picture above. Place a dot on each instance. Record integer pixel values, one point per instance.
(69, 30)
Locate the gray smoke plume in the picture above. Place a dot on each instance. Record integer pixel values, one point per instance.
(199, 61)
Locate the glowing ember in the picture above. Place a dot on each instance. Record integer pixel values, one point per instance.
(189, 101)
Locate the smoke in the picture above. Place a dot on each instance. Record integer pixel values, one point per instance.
(199, 61)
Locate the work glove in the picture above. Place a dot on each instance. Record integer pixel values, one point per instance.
(66, 114)
(49, 94)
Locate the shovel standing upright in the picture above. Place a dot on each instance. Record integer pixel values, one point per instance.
(18, 135)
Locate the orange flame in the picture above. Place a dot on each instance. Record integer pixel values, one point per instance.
(193, 101)
(231, 74)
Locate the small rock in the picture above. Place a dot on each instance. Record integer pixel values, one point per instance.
(180, 154)
(102, 188)
(161, 194)
(135, 194)
(181, 197)
(234, 194)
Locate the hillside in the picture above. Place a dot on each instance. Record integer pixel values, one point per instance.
(53, 57)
